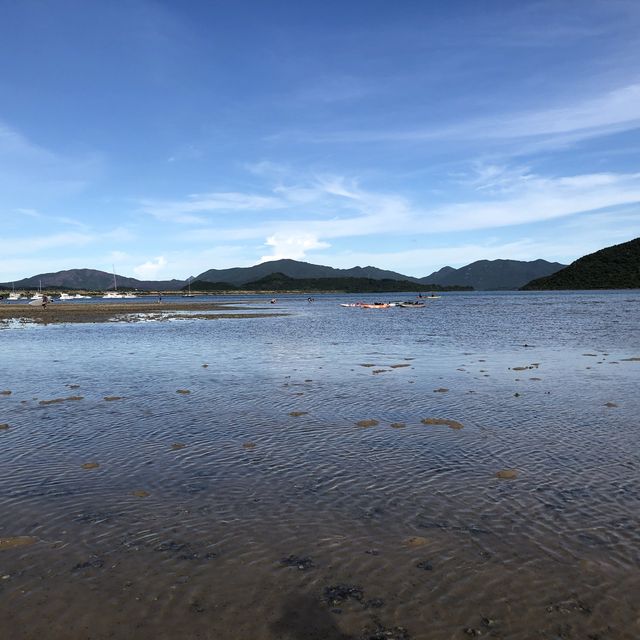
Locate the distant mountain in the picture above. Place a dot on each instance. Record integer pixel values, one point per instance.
(484, 274)
(491, 275)
(296, 269)
(93, 280)
(616, 267)
(282, 282)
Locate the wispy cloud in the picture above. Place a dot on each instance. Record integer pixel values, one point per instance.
(494, 197)
(614, 111)
(31, 171)
(37, 215)
(185, 211)
(29, 245)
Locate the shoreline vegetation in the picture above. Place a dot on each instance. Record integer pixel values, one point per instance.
(281, 283)
(127, 312)
(270, 284)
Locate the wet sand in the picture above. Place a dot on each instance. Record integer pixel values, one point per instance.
(124, 311)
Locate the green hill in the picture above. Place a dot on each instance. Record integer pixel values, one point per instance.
(616, 267)
(282, 282)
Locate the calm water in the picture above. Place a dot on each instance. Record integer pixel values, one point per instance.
(269, 525)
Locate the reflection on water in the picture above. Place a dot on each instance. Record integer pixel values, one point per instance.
(468, 469)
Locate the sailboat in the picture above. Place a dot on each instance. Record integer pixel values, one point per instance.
(13, 295)
(38, 296)
(110, 295)
(189, 294)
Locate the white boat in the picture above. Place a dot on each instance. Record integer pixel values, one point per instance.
(65, 296)
(38, 296)
(80, 297)
(111, 295)
(13, 295)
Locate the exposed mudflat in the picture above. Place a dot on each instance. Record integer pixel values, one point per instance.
(57, 312)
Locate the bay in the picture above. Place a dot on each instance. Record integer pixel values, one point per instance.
(208, 478)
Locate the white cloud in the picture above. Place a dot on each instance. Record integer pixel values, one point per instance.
(149, 270)
(496, 197)
(294, 246)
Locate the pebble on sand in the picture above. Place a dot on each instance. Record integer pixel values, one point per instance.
(367, 423)
(112, 398)
(452, 424)
(140, 493)
(6, 392)
(90, 465)
(507, 474)
(297, 414)
(184, 392)
(415, 541)
(17, 541)
(4, 426)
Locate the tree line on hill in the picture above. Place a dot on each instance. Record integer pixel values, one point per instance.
(279, 282)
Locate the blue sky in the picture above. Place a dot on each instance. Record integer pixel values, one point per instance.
(168, 138)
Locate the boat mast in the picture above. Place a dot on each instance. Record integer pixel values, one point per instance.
(115, 283)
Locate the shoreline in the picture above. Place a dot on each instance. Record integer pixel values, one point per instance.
(124, 311)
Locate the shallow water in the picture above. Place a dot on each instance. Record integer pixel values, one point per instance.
(256, 507)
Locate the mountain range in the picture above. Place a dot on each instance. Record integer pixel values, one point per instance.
(492, 275)
(481, 275)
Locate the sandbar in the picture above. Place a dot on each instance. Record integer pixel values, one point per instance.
(125, 311)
